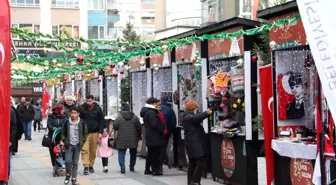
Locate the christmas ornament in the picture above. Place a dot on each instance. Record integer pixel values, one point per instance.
(258, 90)
(254, 58)
(63, 74)
(109, 78)
(112, 66)
(121, 71)
(240, 62)
(54, 61)
(115, 75)
(238, 100)
(142, 62)
(35, 83)
(164, 48)
(28, 57)
(80, 59)
(225, 99)
(194, 60)
(234, 105)
(99, 80)
(183, 59)
(121, 64)
(272, 44)
(222, 106)
(156, 69)
(88, 64)
(45, 50)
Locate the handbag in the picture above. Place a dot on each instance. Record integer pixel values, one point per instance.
(46, 140)
(111, 142)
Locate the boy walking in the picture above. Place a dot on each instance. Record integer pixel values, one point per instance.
(74, 134)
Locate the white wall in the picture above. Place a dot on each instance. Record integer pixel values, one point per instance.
(170, 32)
(182, 9)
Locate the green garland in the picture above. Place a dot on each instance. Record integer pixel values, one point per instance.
(103, 59)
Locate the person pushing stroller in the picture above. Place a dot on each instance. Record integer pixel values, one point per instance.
(74, 134)
(55, 122)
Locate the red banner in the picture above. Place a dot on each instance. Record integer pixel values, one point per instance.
(5, 87)
(266, 90)
(45, 100)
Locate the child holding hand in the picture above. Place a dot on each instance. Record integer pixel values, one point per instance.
(104, 151)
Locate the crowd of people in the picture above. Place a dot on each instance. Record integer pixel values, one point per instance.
(80, 129)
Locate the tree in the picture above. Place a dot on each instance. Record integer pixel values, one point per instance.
(130, 35)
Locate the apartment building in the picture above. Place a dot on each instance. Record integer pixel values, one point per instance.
(219, 10)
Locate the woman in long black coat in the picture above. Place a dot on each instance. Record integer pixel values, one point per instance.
(55, 120)
(195, 141)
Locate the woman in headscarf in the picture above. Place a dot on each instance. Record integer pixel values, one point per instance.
(55, 120)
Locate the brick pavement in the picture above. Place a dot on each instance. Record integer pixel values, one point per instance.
(31, 166)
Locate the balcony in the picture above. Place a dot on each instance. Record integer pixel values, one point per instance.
(113, 16)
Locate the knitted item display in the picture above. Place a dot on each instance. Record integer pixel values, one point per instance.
(237, 80)
(221, 82)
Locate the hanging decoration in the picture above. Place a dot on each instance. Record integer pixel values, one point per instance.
(98, 60)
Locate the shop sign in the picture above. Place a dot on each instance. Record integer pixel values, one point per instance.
(37, 89)
(161, 60)
(286, 36)
(134, 63)
(25, 44)
(31, 52)
(228, 158)
(184, 54)
(301, 172)
(223, 48)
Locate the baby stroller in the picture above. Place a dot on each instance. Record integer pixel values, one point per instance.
(59, 169)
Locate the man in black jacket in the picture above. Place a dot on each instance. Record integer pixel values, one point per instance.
(93, 116)
(155, 138)
(195, 141)
(27, 113)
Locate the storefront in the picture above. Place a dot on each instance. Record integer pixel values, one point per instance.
(296, 94)
(231, 73)
(140, 82)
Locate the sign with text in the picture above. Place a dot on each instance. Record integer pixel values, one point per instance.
(228, 157)
(161, 60)
(286, 36)
(320, 28)
(301, 172)
(24, 44)
(223, 48)
(37, 90)
(183, 54)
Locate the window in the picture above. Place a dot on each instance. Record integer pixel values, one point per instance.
(148, 1)
(65, 3)
(34, 28)
(25, 2)
(148, 31)
(212, 10)
(147, 19)
(96, 32)
(96, 4)
(66, 31)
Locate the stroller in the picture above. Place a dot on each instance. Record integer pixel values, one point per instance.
(59, 169)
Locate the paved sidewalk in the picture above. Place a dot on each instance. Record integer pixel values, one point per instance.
(31, 166)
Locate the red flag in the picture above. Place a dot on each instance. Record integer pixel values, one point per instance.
(5, 87)
(45, 100)
(266, 90)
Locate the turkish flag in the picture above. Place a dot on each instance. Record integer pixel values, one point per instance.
(5, 86)
(266, 90)
(45, 100)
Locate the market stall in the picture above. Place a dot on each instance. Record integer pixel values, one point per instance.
(162, 87)
(139, 92)
(189, 87)
(111, 92)
(79, 88)
(93, 85)
(231, 73)
(295, 89)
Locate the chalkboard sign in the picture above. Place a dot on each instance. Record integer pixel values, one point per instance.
(168, 94)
